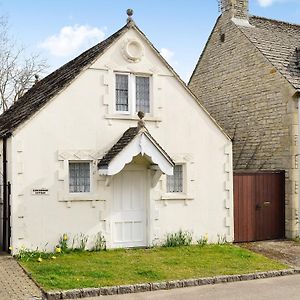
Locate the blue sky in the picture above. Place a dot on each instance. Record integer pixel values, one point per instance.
(61, 29)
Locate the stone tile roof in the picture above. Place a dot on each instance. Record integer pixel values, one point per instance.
(277, 41)
(55, 82)
(126, 138)
(51, 85)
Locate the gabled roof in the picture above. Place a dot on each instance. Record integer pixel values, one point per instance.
(54, 83)
(44, 90)
(141, 147)
(277, 41)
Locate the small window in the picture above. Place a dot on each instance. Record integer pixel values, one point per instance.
(175, 181)
(122, 92)
(79, 177)
(142, 94)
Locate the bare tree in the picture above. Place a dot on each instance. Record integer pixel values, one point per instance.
(17, 72)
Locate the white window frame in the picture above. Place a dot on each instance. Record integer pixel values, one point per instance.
(132, 93)
(183, 180)
(91, 177)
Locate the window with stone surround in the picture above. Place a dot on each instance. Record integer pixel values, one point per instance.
(175, 181)
(79, 177)
(132, 93)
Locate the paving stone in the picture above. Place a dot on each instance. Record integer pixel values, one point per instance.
(15, 284)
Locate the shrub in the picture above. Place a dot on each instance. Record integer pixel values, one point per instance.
(79, 242)
(177, 239)
(202, 241)
(222, 239)
(100, 242)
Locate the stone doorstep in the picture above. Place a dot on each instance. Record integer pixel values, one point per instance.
(165, 285)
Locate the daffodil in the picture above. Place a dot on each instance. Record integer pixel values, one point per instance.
(40, 259)
(53, 257)
(58, 250)
(65, 237)
(10, 248)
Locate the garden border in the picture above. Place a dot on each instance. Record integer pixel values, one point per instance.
(164, 285)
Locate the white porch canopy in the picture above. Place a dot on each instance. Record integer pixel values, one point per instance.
(132, 143)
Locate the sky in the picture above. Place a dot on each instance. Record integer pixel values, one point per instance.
(59, 30)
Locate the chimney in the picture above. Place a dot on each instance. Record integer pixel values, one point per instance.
(238, 9)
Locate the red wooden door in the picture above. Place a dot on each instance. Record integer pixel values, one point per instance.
(258, 206)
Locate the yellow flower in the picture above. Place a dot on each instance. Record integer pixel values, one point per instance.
(58, 250)
(10, 248)
(40, 259)
(65, 237)
(53, 257)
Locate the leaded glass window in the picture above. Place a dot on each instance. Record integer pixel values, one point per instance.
(142, 94)
(175, 181)
(79, 177)
(121, 92)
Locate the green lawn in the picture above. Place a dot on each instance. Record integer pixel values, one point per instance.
(117, 267)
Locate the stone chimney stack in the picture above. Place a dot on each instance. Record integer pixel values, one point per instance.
(238, 9)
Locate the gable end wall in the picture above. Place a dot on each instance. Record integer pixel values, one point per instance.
(254, 104)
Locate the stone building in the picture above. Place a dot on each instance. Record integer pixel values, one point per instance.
(248, 77)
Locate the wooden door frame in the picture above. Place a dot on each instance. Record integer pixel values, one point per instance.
(136, 167)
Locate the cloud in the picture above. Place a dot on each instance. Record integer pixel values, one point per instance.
(266, 3)
(168, 55)
(71, 39)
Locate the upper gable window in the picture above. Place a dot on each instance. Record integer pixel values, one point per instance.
(122, 92)
(132, 93)
(142, 94)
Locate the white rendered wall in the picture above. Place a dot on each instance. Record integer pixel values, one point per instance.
(80, 124)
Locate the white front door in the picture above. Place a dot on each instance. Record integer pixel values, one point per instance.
(129, 209)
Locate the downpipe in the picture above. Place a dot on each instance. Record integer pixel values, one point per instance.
(298, 160)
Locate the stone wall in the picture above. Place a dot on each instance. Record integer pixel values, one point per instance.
(254, 103)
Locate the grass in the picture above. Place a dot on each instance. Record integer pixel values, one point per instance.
(117, 267)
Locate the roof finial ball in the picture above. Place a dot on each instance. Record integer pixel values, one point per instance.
(129, 12)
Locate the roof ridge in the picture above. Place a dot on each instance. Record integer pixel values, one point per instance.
(267, 36)
(48, 87)
(275, 21)
(70, 62)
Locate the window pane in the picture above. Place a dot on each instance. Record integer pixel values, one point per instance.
(79, 177)
(121, 92)
(175, 181)
(142, 94)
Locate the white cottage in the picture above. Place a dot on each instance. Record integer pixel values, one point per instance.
(76, 157)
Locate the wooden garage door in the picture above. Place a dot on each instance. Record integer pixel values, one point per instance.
(258, 206)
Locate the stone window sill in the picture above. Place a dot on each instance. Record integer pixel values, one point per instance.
(176, 196)
(131, 117)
